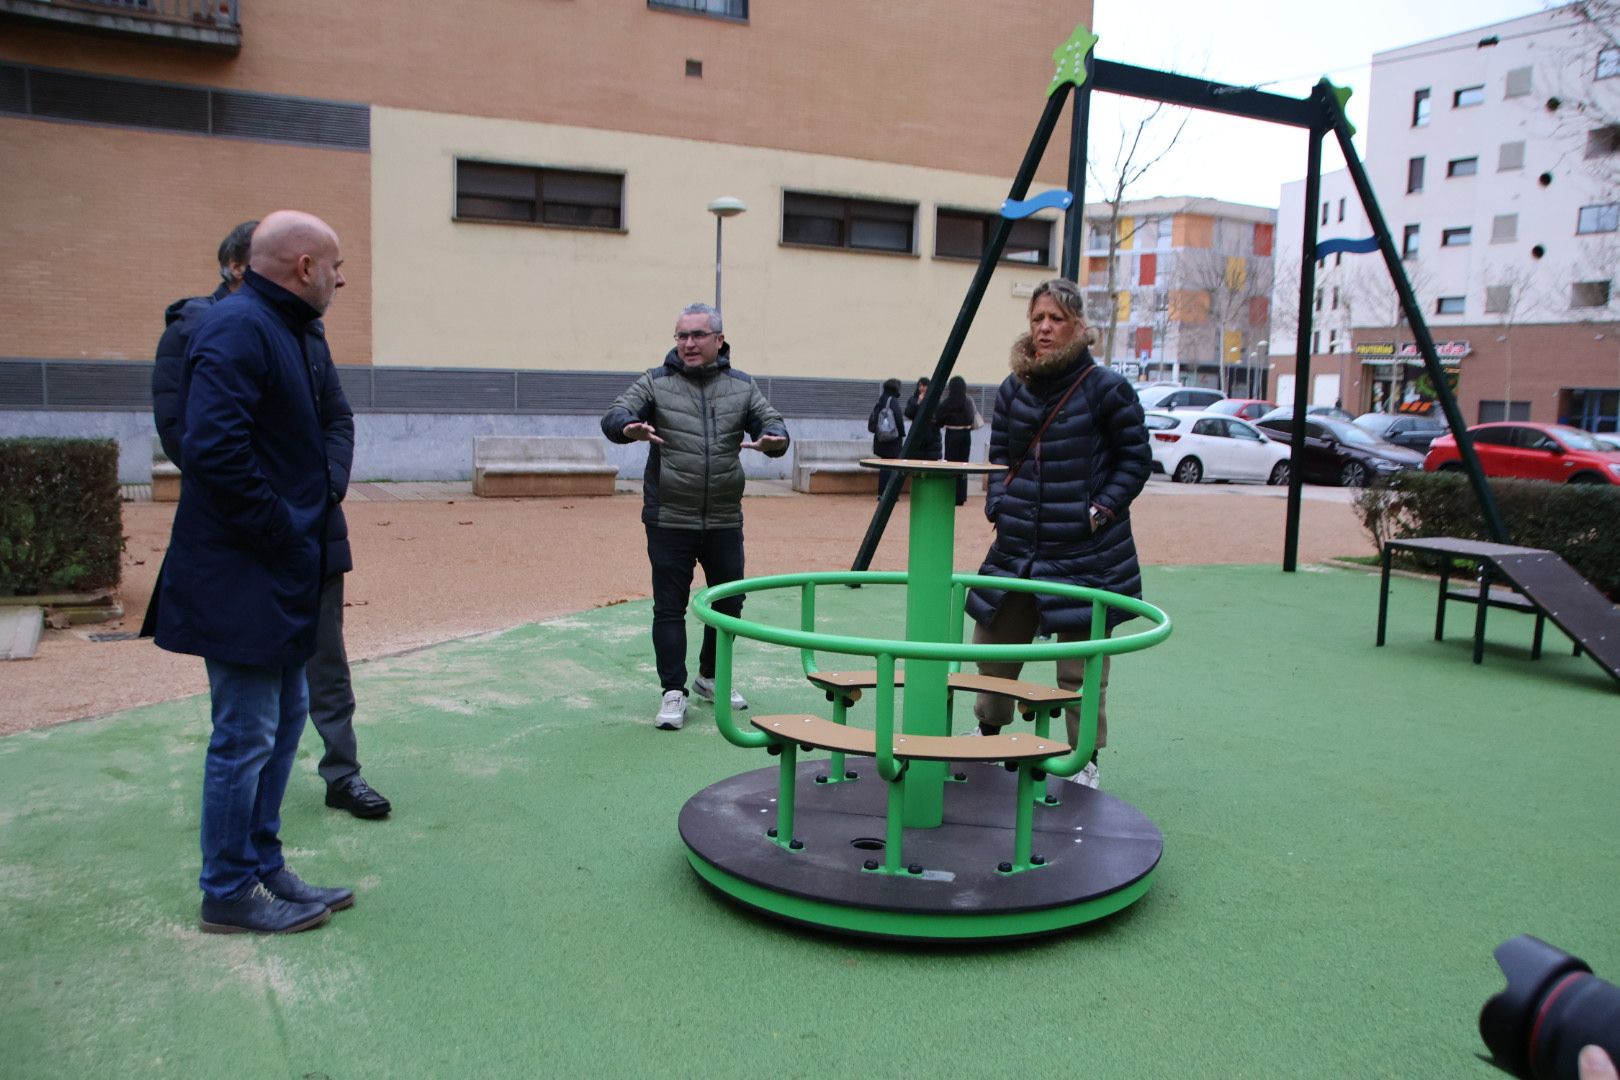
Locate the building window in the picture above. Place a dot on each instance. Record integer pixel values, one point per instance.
(719, 9)
(1518, 83)
(964, 234)
(1335, 298)
(1165, 226)
(694, 69)
(1409, 242)
(1598, 219)
(1414, 176)
(1589, 294)
(1504, 228)
(1449, 305)
(1316, 342)
(1318, 299)
(1463, 166)
(1468, 95)
(1510, 157)
(1456, 237)
(1420, 108)
(1498, 298)
(1608, 65)
(488, 191)
(1325, 210)
(1333, 341)
(1603, 141)
(860, 224)
(1341, 209)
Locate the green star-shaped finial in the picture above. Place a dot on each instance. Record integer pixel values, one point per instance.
(1342, 94)
(1070, 58)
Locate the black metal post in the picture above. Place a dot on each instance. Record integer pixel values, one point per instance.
(1074, 222)
(1420, 329)
(1302, 349)
(964, 320)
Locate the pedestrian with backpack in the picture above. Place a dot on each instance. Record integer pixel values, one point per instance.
(888, 427)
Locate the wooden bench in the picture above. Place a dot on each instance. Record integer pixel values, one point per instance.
(1032, 699)
(165, 475)
(815, 732)
(832, 467)
(511, 466)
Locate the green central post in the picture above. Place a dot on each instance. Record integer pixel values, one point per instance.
(928, 618)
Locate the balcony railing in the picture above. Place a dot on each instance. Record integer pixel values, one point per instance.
(720, 9)
(210, 23)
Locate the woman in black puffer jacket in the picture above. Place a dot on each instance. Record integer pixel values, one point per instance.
(1061, 511)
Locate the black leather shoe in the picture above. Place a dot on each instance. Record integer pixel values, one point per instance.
(288, 886)
(258, 911)
(358, 798)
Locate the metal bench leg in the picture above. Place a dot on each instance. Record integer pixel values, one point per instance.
(1535, 644)
(783, 833)
(1383, 595)
(1484, 605)
(1440, 606)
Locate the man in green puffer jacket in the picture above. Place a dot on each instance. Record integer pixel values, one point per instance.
(698, 413)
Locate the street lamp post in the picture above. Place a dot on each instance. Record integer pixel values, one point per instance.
(722, 208)
(1258, 350)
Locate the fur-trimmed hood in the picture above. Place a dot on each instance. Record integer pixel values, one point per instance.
(1027, 366)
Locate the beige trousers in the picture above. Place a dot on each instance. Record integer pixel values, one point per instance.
(1015, 624)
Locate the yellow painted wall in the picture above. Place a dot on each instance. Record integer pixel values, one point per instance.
(481, 295)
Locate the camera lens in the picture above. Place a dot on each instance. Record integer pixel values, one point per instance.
(1552, 1007)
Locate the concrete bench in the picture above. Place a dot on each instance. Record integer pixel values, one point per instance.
(508, 466)
(165, 475)
(832, 467)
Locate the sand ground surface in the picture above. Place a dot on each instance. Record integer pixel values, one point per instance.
(430, 568)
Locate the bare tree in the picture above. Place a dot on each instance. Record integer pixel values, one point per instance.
(1511, 292)
(1143, 143)
(1232, 283)
(1586, 100)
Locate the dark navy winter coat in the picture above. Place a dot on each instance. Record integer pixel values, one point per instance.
(242, 579)
(1095, 452)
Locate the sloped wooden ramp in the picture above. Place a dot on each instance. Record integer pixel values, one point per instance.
(1570, 601)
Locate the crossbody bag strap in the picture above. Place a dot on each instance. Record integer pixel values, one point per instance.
(1035, 443)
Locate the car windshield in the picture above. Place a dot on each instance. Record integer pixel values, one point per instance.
(1576, 439)
(1158, 421)
(1349, 433)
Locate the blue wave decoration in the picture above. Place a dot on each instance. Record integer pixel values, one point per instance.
(1354, 247)
(1046, 200)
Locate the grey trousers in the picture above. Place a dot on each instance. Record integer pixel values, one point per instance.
(1015, 624)
(331, 698)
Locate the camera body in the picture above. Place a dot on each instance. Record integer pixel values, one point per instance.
(1552, 1007)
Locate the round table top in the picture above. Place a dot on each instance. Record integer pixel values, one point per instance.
(922, 465)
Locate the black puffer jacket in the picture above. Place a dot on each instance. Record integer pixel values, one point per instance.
(1095, 452)
(694, 480)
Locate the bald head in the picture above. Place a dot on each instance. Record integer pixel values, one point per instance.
(299, 252)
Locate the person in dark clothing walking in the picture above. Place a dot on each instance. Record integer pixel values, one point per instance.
(888, 427)
(1073, 437)
(331, 694)
(698, 412)
(928, 439)
(242, 582)
(956, 418)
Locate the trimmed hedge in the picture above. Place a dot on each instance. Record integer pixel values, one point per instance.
(61, 527)
(1580, 522)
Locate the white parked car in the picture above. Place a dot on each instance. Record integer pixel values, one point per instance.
(1174, 396)
(1189, 447)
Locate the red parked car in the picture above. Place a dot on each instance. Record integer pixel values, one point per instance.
(1242, 407)
(1564, 455)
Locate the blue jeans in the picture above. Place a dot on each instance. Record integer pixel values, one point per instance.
(258, 714)
(674, 554)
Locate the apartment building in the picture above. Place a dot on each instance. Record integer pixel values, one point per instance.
(1180, 289)
(1495, 154)
(524, 185)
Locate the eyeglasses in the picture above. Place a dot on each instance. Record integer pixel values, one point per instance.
(695, 335)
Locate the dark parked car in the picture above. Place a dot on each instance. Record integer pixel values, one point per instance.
(1330, 412)
(1339, 452)
(1243, 408)
(1564, 455)
(1410, 430)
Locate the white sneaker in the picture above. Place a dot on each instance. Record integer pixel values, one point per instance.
(672, 713)
(1087, 777)
(704, 688)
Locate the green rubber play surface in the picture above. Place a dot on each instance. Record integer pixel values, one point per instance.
(1348, 831)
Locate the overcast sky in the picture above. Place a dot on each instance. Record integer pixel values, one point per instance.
(1282, 46)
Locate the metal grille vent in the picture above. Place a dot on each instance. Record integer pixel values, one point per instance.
(13, 89)
(65, 96)
(263, 116)
(441, 390)
(22, 384)
(93, 385)
(578, 393)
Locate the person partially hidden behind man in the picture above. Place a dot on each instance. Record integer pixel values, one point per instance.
(242, 582)
(331, 693)
(695, 411)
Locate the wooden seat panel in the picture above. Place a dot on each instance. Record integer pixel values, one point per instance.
(823, 734)
(1028, 695)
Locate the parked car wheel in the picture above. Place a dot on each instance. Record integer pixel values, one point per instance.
(1279, 474)
(1188, 471)
(1587, 478)
(1353, 475)
(1452, 466)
